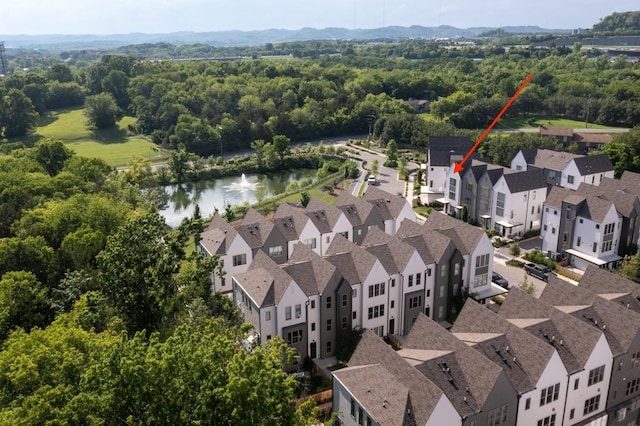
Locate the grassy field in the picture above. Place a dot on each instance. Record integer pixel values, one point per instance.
(427, 116)
(111, 145)
(525, 122)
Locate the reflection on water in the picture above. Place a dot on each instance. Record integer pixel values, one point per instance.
(217, 193)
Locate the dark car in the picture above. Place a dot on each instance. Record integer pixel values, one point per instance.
(499, 279)
(538, 270)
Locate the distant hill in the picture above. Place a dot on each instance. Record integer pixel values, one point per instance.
(626, 23)
(254, 38)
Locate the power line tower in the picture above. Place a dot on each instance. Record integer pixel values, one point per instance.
(3, 60)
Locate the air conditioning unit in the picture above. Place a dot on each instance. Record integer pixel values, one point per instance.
(621, 414)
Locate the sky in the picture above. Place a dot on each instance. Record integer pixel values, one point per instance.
(164, 16)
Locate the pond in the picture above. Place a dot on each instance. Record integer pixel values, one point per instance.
(217, 193)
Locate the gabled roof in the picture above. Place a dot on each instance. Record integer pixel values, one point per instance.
(527, 180)
(371, 350)
(593, 138)
(590, 164)
(494, 172)
(385, 404)
(289, 221)
(555, 131)
(311, 272)
(218, 236)
(619, 324)
(443, 149)
(458, 368)
(595, 208)
(625, 200)
(631, 178)
(522, 356)
(255, 228)
(390, 206)
(431, 245)
(265, 282)
(558, 195)
(605, 283)
(323, 215)
(551, 160)
(351, 260)
(466, 237)
(393, 253)
(357, 210)
(572, 338)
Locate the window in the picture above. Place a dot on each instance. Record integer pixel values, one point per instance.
(360, 416)
(313, 304)
(328, 239)
(418, 278)
(480, 280)
(482, 261)
(294, 336)
(632, 386)
(548, 421)
(393, 304)
(415, 302)
(428, 292)
(452, 188)
(313, 326)
(429, 272)
(287, 313)
(328, 325)
(440, 312)
(591, 405)
(553, 230)
(596, 375)
(549, 394)
(568, 213)
(576, 383)
(546, 209)
(595, 247)
(443, 290)
(498, 416)
(572, 413)
(410, 281)
(328, 302)
(379, 331)
(354, 314)
(344, 322)
(469, 187)
(635, 359)
(275, 251)
(329, 346)
(310, 242)
(579, 241)
(570, 179)
(564, 237)
(344, 234)
(353, 408)
(354, 292)
(527, 404)
(456, 269)
(376, 290)
(345, 300)
(606, 246)
(500, 199)
(239, 259)
(376, 311)
(581, 220)
(298, 311)
(267, 316)
(443, 270)
(427, 311)
(393, 282)
(544, 228)
(597, 226)
(608, 228)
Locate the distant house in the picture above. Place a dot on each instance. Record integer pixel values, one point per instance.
(586, 142)
(419, 105)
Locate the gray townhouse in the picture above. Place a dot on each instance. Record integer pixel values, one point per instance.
(621, 327)
(477, 387)
(262, 235)
(329, 221)
(361, 214)
(391, 208)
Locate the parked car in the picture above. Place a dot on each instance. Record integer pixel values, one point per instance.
(537, 270)
(500, 280)
(371, 180)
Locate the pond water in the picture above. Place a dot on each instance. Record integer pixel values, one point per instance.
(235, 190)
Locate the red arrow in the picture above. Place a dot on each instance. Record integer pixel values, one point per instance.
(457, 168)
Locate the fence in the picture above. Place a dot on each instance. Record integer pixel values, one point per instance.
(323, 400)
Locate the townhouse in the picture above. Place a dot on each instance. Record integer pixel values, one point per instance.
(222, 240)
(563, 168)
(621, 327)
(612, 287)
(380, 388)
(392, 210)
(477, 387)
(329, 220)
(361, 214)
(296, 227)
(583, 228)
(584, 351)
(443, 151)
(262, 235)
(530, 364)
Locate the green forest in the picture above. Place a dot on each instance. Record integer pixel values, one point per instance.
(105, 316)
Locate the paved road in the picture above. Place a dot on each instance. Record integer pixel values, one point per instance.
(515, 275)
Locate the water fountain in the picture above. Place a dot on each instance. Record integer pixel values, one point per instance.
(243, 186)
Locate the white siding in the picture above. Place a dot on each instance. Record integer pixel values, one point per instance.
(518, 162)
(293, 296)
(444, 414)
(484, 247)
(238, 246)
(550, 219)
(377, 275)
(342, 225)
(437, 176)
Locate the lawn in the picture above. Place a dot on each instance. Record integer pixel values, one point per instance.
(427, 116)
(536, 120)
(112, 145)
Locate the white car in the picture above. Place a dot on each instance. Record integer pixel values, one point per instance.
(371, 180)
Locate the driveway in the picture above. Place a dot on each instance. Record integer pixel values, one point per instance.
(515, 276)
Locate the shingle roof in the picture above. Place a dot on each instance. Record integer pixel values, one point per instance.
(590, 164)
(464, 364)
(218, 236)
(265, 282)
(552, 160)
(356, 209)
(431, 245)
(323, 215)
(352, 261)
(445, 149)
(603, 282)
(255, 228)
(426, 395)
(466, 237)
(394, 254)
(289, 221)
(573, 339)
(386, 405)
(619, 324)
(626, 201)
(387, 204)
(558, 194)
(311, 272)
(495, 172)
(595, 208)
(525, 180)
(631, 178)
(522, 356)
(555, 131)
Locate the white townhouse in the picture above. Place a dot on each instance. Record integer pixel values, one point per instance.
(518, 202)
(589, 169)
(392, 208)
(408, 274)
(442, 152)
(584, 228)
(296, 227)
(329, 220)
(221, 239)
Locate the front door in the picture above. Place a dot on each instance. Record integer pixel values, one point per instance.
(313, 350)
(392, 326)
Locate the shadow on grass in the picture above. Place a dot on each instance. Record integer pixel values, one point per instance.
(48, 118)
(111, 135)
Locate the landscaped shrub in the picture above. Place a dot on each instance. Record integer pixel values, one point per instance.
(515, 262)
(536, 256)
(531, 233)
(499, 242)
(514, 249)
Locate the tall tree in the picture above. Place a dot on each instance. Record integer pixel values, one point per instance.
(17, 114)
(102, 110)
(52, 154)
(281, 144)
